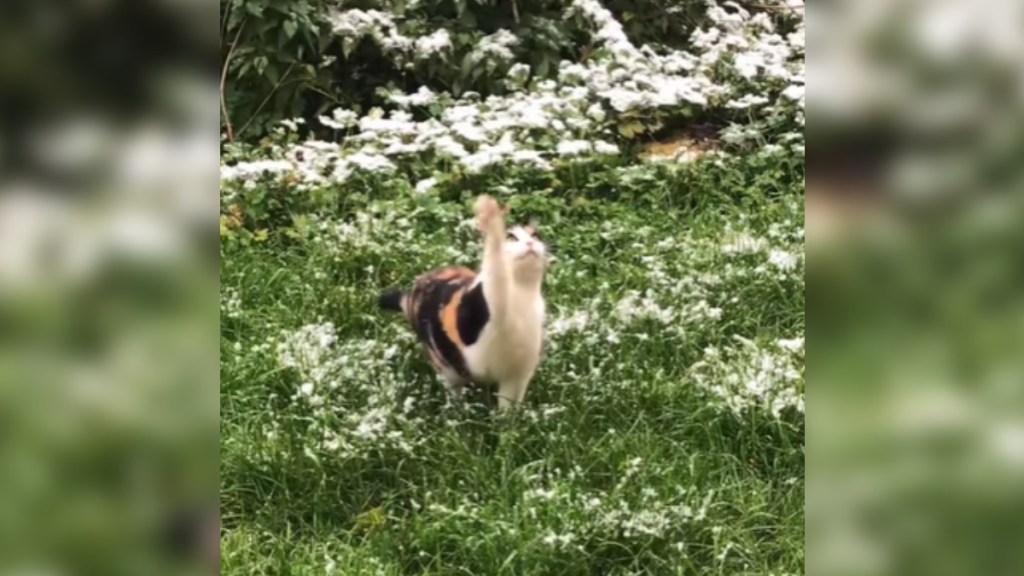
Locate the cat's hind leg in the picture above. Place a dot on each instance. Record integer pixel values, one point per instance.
(456, 390)
(511, 392)
(455, 386)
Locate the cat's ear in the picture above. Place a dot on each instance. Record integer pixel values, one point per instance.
(533, 225)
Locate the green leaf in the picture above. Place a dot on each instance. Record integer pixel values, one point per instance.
(289, 27)
(264, 27)
(281, 99)
(234, 20)
(272, 74)
(467, 66)
(630, 129)
(323, 42)
(543, 67)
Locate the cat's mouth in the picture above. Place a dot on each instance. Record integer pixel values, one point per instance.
(528, 253)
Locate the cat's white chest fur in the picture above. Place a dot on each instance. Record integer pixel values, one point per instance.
(509, 347)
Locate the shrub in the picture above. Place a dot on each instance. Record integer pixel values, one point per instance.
(284, 59)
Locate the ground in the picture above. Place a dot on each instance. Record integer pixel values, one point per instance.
(663, 433)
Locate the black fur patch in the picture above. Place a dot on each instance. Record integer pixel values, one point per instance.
(391, 299)
(432, 297)
(473, 315)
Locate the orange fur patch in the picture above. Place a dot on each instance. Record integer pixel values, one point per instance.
(452, 273)
(449, 318)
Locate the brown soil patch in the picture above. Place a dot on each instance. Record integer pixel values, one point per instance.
(690, 142)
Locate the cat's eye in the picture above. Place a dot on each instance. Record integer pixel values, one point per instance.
(511, 236)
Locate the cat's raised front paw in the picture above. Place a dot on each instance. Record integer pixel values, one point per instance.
(488, 213)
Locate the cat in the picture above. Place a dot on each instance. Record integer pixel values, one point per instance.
(485, 327)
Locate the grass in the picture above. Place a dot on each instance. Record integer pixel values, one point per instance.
(661, 435)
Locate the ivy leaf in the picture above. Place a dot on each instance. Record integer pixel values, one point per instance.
(289, 27)
(266, 26)
(260, 63)
(235, 18)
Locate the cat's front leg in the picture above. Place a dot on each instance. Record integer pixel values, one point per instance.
(494, 271)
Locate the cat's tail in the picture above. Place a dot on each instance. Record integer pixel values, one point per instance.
(392, 300)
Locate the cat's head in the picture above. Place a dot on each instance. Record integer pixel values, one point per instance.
(527, 252)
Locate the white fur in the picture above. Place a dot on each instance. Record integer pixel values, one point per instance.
(508, 350)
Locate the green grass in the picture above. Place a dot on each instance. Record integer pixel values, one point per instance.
(640, 448)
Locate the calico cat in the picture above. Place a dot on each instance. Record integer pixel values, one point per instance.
(487, 326)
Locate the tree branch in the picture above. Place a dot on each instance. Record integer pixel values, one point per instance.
(223, 82)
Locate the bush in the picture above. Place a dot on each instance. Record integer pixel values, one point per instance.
(286, 59)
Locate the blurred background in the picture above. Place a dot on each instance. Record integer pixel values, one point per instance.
(108, 287)
(915, 437)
